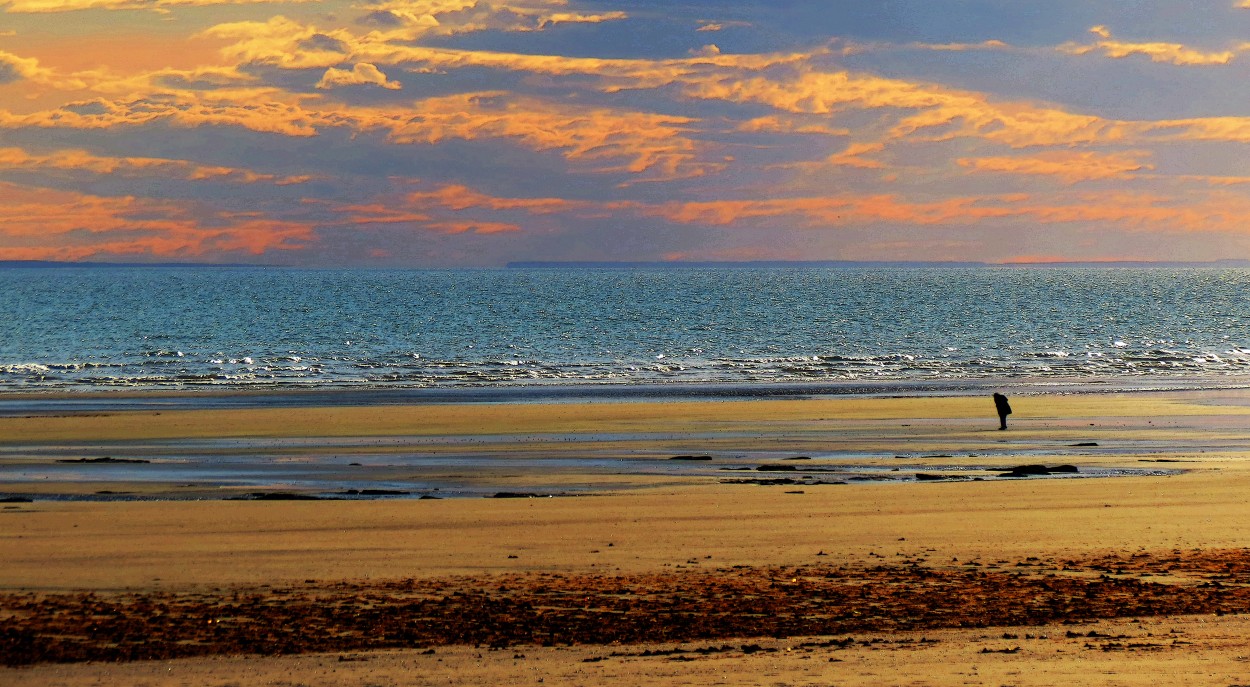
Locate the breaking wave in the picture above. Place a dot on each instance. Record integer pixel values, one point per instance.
(246, 328)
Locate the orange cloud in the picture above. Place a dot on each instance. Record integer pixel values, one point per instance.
(380, 213)
(469, 226)
(1213, 180)
(719, 25)
(937, 113)
(789, 125)
(642, 143)
(283, 42)
(1214, 211)
(76, 89)
(455, 209)
(291, 44)
(14, 68)
(294, 45)
(961, 47)
(1069, 166)
(261, 109)
(1169, 53)
(940, 113)
(1211, 212)
(829, 211)
(578, 18)
(52, 6)
(609, 140)
(854, 156)
(16, 158)
(449, 17)
(610, 75)
(805, 98)
(457, 197)
(444, 210)
(1226, 129)
(362, 74)
(847, 48)
(62, 225)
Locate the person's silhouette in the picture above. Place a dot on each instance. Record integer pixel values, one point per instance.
(1003, 408)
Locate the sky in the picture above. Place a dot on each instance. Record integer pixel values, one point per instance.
(450, 133)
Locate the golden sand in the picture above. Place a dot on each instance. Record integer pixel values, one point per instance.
(663, 528)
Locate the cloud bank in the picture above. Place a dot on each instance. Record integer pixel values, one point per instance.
(470, 132)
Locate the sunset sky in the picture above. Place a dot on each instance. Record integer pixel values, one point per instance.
(431, 133)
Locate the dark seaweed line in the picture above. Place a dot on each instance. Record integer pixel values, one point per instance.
(548, 610)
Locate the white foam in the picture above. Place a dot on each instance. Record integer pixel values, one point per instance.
(24, 368)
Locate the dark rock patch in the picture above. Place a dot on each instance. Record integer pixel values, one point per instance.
(106, 460)
(779, 481)
(278, 496)
(1039, 470)
(373, 492)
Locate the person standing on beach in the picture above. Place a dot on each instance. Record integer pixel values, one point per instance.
(1003, 408)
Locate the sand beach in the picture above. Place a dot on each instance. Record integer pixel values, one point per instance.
(389, 343)
(884, 542)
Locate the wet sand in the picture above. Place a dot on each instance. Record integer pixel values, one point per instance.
(1204, 653)
(886, 564)
(574, 448)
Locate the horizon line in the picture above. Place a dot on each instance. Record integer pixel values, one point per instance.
(669, 264)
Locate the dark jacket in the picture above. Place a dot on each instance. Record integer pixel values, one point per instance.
(1000, 402)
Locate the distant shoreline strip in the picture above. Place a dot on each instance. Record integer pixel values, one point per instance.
(852, 264)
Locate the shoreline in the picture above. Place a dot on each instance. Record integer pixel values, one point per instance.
(23, 401)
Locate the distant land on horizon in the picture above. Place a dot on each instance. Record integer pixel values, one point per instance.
(540, 264)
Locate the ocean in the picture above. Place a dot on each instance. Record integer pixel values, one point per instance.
(544, 329)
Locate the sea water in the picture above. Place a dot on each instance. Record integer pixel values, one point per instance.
(79, 328)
